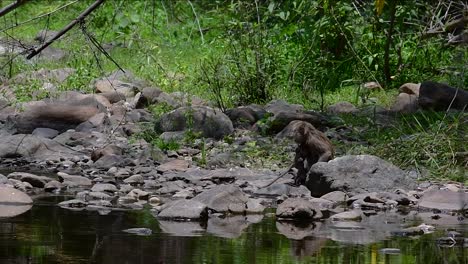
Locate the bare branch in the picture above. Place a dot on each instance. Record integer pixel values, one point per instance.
(81, 17)
(7, 9)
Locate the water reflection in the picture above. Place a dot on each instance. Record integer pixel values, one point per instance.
(50, 234)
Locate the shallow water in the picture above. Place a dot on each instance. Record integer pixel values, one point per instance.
(50, 234)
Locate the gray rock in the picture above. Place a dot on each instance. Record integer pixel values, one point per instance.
(73, 180)
(212, 123)
(280, 120)
(135, 179)
(444, 200)
(336, 196)
(173, 165)
(224, 198)
(104, 187)
(34, 180)
(297, 208)
(354, 215)
(342, 108)
(45, 132)
(109, 161)
(356, 174)
(60, 117)
(35, 148)
(184, 210)
(277, 106)
(10, 195)
(171, 187)
(245, 116)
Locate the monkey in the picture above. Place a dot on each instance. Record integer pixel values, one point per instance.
(312, 146)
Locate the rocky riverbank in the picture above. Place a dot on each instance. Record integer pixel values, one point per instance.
(85, 146)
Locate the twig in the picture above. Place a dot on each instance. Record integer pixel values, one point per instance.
(85, 13)
(198, 21)
(40, 16)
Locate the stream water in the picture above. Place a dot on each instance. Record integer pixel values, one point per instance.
(50, 234)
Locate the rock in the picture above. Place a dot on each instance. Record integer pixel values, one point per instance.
(372, 85)
(277, 106)
(13, 202)
(33, 147)
(224, 198)
(109, 161)
(12, 196)
(335, 197)
(139, 194)
(280, 120)
(110, 149)
(245, 116)
(342, 108)
(405, 103)
(139, 231)
(43, 35)
(297, 208)
(173, 165)
(410, 88)
(185, 194)
(356, 174)
(184, 210)
(104, 187)
(108, 86)
(34, 180)
(45, 132)
(73, 180)
(444, 200)
(55, 76)
(211, 123)
(135, 179)
(354, 215)
(440, 97)
(60, 117)
(149, 96)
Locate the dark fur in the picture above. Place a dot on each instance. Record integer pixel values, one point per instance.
(313, 146)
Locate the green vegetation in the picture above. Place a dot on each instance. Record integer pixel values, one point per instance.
(314, 53)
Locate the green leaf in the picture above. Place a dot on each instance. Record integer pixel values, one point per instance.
(271, 7)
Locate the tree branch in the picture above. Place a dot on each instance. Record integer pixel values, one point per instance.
(7, 9)
(82, 16)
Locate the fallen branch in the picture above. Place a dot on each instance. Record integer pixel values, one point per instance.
(7, 9)
(80, 18)
(448, 27)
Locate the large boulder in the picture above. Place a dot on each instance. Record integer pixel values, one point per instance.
(35, 148)
(245, 116)
(342, 108)
(356, 174)
(60, 117)
(444, 200)
(211, 123)
(440, 97)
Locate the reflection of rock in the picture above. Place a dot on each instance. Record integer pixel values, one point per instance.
(182, 228)
(307, 247)
(370, 230)
(229, 227)
(9, 210)
(13, 202)
(139, 231)
(296, 230)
